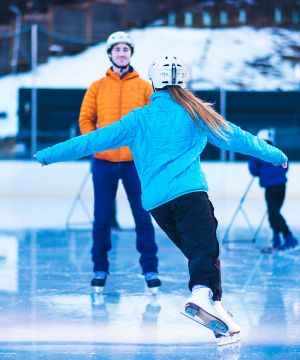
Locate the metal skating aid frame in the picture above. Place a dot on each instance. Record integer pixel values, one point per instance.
(78, 200)
(240, 208)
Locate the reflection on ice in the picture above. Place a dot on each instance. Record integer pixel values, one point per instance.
(45, 298)
(9, 253)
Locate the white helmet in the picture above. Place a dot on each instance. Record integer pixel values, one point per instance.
(117, 38)
(168, 70)
(267, 135)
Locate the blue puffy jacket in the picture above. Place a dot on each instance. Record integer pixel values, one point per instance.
(269, 175)
(166, 147)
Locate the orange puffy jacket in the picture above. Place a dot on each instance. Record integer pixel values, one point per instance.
(107, 100)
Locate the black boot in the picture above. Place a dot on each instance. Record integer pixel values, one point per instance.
(289, 242)
(98, 284)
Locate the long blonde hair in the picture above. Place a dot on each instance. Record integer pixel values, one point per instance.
(199, 109)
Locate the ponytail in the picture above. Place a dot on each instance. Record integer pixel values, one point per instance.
(199, 109)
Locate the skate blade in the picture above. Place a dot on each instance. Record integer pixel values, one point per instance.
(209, 320)
(97, 289)
(229, 339)
(213, 325)
(153, 290)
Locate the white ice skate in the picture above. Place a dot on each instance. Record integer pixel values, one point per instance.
(200, 308)
(233, 334)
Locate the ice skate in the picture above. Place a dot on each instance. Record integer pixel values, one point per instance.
(152, 281)
(290, 243)
(98, 282)
(233, 334)
(200, 308)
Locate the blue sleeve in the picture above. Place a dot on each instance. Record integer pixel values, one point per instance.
(254, 166)
(243, 142)
(113, 136)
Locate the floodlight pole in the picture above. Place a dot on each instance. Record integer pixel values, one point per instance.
(34, 35)
(16, 47)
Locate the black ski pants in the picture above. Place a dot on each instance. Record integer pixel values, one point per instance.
(275, 197)
(190, 223)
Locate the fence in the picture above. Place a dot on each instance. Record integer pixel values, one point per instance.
(58, 110)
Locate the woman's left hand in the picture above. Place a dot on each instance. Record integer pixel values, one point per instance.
(36, 159)
(285, 165)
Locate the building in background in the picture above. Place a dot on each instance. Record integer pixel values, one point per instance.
(67, 27)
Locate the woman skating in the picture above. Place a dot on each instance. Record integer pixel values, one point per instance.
(166, 138)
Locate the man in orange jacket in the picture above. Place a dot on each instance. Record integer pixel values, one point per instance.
(105, 102)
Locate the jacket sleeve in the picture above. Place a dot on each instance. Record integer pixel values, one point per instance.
(149, 92)
(243, 142)
(113, 136)
(88, 111)
(254, 166)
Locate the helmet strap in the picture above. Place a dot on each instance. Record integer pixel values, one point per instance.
(153, 87)
(122, 68)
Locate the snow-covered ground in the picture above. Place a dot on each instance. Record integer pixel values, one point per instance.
(234, 59)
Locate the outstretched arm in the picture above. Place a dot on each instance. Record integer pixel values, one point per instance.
(113, 136)
(243, 142)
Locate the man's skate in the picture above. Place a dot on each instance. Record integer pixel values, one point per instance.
(98, 282)
(97, 285)
(152, 282)
(276, 243)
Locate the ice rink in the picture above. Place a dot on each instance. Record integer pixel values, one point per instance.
(47, 311)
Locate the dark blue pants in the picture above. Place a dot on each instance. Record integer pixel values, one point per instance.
(190, 223)
(106, 175)
(275, 197)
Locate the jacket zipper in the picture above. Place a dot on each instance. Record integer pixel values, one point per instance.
(120, 108)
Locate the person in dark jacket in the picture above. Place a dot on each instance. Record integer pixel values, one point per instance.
(273, 179)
